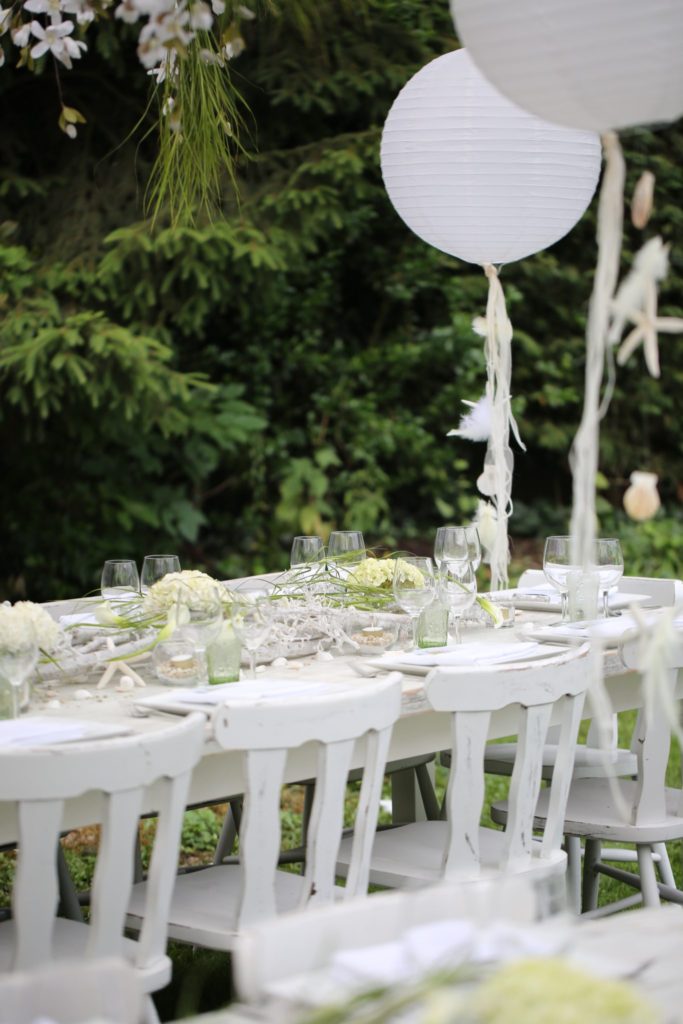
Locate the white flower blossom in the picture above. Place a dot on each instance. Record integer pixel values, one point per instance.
(80, 8)
(379, 572)
(53, 8)
(128, 12)
(55, 39)
(234, 47)
(201, 16)
(218, 7)
(5, 16)
(21, 36)
(246, 13)
(45, 628)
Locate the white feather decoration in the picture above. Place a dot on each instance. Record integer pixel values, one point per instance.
(475, 425)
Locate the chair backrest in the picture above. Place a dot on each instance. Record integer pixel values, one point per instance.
(296, 944)
(651, 741)
(39, 780)
(539, 691)
(660, 593)
(71, 992)
(265, 731)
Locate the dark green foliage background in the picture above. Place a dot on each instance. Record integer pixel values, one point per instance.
(296, 364)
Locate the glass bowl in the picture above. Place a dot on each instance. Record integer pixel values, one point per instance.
(177, 663)
(371, 636)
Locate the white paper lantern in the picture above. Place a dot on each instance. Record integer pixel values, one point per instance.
(594, 64)
(476, 176)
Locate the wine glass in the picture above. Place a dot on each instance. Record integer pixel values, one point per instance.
(459, 587)
(347, 546)
(120, 580)
(155, 567)
(252, 617)
(451, 542)
(305, 550)
(558, 568)
(414, 587)
(199, 618)
(610, 563)
(16, 664)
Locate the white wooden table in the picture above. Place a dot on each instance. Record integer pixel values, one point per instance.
(219, 774)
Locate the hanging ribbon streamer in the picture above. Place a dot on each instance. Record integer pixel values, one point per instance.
(499, 461)
(585, 450)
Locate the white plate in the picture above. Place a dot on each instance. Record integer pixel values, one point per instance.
(547, 599)
(201, 698)
(422, 664)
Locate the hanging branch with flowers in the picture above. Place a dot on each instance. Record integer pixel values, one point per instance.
(185, 46)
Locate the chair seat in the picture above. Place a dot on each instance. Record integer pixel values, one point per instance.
(412, 855)
(205, 904)
(591, 811)
(589, 762)
(69, 943)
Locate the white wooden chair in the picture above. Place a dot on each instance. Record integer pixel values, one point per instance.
(38, 781)
(211, 906)
(273, 952)
(73, 992)
(592, 760)
(650, 815)
(458, 848)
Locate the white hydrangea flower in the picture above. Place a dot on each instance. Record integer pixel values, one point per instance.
(201, 16)
(53, 8)
(24, 624)
(196, 589)
(379, 572)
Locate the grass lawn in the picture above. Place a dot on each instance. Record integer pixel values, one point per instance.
(201, 978)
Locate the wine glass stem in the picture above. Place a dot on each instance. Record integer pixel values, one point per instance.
(605, 603)
(252, 663)
(413, 622)
(456, 628)
(564, 597)
(15, 691)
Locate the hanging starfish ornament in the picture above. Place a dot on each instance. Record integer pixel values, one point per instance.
(636, 302)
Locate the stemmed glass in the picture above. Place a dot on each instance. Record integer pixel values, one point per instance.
(414, 587)
(199, 618)
(16, 665)
(459, 543)
(252, 617)
(120, 580)
(305, 550)
(558, 567)
(155, 567)
(610, 564)
(347, 546)
(459, 587)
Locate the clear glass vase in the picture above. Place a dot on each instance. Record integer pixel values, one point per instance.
(224, 656)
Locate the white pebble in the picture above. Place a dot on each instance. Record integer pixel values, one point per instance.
(279, 662)
(260, 668)
(125, 684)
(82, 695)
(54, 704)
(296, 665)
(324, 656)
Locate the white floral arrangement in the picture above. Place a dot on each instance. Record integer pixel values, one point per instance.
(197, 590)
(24, 623)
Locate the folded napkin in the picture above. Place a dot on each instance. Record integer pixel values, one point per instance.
(606, 629)
(476, 653)
(38, 731)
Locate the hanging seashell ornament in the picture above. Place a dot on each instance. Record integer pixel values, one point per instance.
(643, 200)
(641, 499)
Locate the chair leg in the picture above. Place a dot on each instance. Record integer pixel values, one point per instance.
(573, 848)
(648, 878)
(427, 794)
(69, 904)
(591, 878)
(229, 831)
(665, 870)
(149, 1013)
